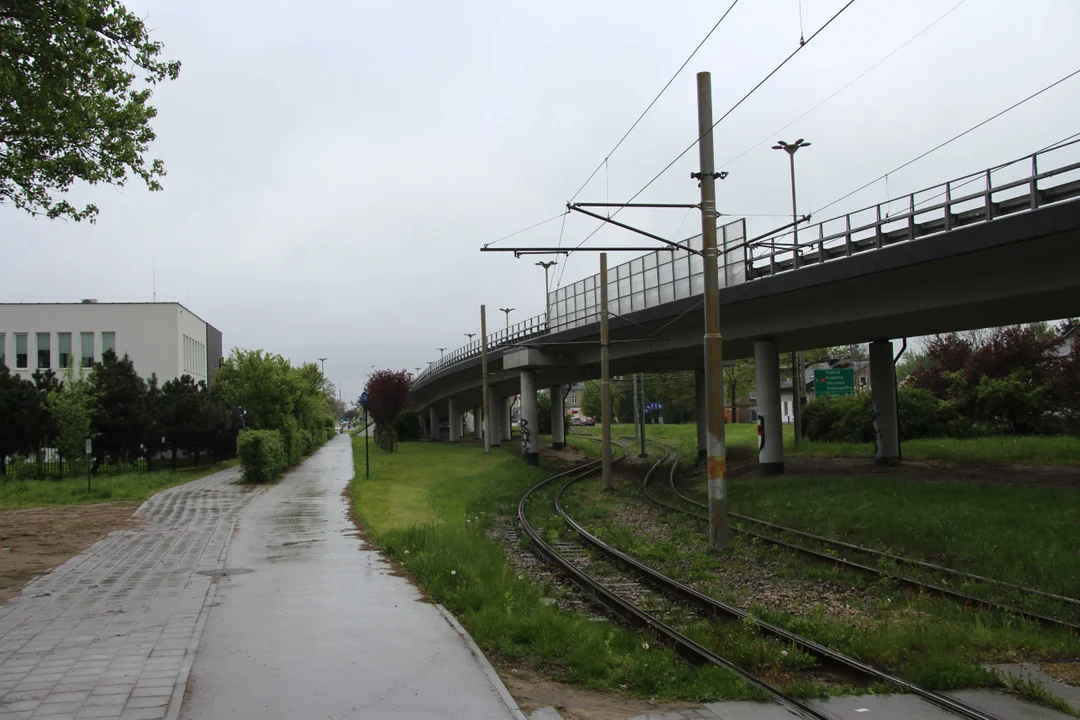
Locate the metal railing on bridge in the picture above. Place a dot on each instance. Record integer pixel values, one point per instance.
(664, 276)
(1006, 189)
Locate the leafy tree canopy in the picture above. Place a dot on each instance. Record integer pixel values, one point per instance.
(75, 79)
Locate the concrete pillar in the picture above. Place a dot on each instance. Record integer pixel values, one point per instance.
(529, 419)
(883, 395)
(506, 425)
(700, 413)
(477, 426)
(558, 417)
(492, 420)
(433, 414)
(455, 420)
(770, 421)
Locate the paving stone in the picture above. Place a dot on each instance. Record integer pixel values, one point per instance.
(123, 612)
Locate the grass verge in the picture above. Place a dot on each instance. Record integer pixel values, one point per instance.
(432, 507)
(136, 486)
(742, 443)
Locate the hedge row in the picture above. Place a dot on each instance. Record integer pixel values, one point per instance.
(264, 454)
(851, 419)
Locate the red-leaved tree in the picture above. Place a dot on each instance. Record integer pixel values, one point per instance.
(388, 396)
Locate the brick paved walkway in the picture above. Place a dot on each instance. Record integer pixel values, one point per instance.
(111, 633)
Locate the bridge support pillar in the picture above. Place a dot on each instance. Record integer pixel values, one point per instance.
(455, 420)
(558, 417)
(433, 416)
(770, 422)
(529, 420)
(699, 413)
(477, 426)
(491, 422)
(506, 424)
(883, 395)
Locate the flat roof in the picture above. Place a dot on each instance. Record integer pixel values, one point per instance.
(92, 304)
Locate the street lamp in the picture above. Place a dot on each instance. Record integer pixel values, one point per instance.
(507, 311)
(547, 292)
(323, 368)
(791, 149)
(470, 336)
(441, 351)
(797, 376)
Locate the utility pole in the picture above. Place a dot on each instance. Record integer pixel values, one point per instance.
(605, 379)
(714, 346)
(484, 368)
(637, 411)
(507, 311)
(641, 400)
(797, 376)
(547, 289)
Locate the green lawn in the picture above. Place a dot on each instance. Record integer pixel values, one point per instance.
(742, 444)
(431, 506)
(136, 486)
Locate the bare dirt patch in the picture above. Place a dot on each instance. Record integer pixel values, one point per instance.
(534, 691)
(35, 540)
(1068, 672)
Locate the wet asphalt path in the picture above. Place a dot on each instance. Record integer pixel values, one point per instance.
(309, 622)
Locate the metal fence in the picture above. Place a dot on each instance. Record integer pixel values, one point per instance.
(27, 468)
(1006, 189)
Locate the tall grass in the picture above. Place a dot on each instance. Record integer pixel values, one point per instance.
(135, 486)
(431, 508)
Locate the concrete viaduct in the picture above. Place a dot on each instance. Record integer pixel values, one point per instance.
(1007, 253)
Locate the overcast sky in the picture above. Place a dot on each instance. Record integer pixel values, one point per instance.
(334, 167)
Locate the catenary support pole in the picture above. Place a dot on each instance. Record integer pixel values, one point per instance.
(701, 413)
(486, 399)
(714, 344)
(637, 410)
(770, 421)
(886, 420)
(507, 422)
(433, 416)
(477, 424)
(796, 396)
(558, 417)
(529, 421)
(492, 430)
(641, 421)
(455, 420)
(605, 379)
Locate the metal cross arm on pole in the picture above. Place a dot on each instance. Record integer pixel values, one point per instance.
(518, 252)
(577, 208)
(639, 205)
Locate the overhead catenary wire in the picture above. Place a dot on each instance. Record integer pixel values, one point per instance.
(535, 225)
(654, 100)
(954, 138)
(727, 114)
(864, 73)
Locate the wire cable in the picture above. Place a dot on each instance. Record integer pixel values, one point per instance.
(542, 222)
(950, 140)
(866, 72)
(726, 114)
(654, 100)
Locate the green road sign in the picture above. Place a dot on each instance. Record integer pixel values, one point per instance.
(834, 382)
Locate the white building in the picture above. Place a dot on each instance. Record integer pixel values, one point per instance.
(165, 339)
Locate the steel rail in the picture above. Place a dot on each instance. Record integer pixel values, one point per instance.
(715, 607)
(909, 581)
(634, 615)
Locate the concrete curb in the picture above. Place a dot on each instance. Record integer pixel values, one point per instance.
(493, 677)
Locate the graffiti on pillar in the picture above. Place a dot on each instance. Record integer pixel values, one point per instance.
(526, 435)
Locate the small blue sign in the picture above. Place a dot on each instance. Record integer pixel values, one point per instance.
(363, 398)
(649, 407)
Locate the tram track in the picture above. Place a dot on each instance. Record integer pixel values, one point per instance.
(835, 558)
(569, 559)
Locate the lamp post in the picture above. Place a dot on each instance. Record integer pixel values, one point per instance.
(507, 311)
(547, 291)
(441, 351)
(797, 379)
(417, 371)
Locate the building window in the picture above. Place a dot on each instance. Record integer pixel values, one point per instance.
(21, 360)
(573, 399)
(44, 354)
(108, 342)
(3, 357)
(64, 348)
(87, 339)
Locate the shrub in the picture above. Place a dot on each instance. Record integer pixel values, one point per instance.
(262, 454)
(851, 419)
(293, 442)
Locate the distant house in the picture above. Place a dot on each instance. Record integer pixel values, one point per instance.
(573, 398)
(1069, 339)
